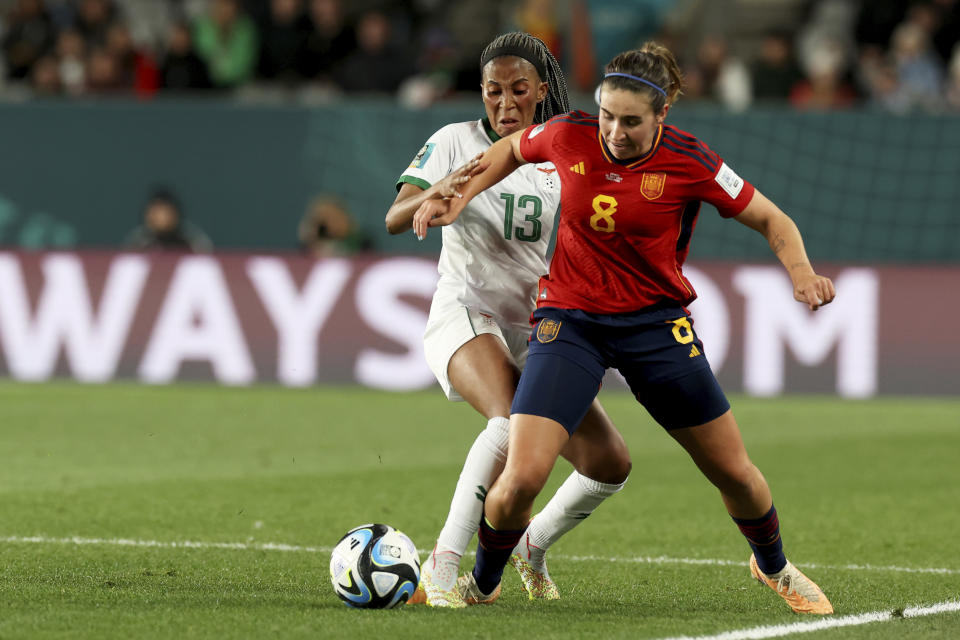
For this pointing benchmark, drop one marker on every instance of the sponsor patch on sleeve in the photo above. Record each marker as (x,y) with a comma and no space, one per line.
(535,132)
(422,156)
(729,181)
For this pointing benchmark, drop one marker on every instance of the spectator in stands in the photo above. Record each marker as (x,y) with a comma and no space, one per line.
(775,71)
(226,40)
(718,75)
(825,86)
(952,88)
(72,61)
(94,19)
(149,21)
(181,69)
(879,81)
(377,66)
(329,40)
(103,71)
(30,36)
(136,68)
(328,229)
(45,77)
(919,74)
(164,228)
(283,40)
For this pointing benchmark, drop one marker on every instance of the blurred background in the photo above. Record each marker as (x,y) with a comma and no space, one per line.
(236,128)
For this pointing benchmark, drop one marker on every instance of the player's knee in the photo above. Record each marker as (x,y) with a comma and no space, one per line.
(739,480)
(610,463)
(609,469)
(519,490)
(619,464)
(619,470)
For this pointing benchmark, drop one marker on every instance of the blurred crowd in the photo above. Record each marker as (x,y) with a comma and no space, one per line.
(896,55)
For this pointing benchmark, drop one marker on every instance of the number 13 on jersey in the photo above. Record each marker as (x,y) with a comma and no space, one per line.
(533,208)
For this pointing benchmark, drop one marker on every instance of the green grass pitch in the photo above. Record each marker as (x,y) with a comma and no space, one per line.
(102,487)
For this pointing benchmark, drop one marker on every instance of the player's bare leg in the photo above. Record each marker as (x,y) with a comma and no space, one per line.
(601,464)
(483,373)
(536,443)
(717,449)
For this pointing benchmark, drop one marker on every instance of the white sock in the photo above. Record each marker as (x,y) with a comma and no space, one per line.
(576,499)
(486,458)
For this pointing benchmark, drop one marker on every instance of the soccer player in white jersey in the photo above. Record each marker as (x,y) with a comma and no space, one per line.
(476,335)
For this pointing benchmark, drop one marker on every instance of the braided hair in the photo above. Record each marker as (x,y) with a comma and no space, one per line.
(533,50)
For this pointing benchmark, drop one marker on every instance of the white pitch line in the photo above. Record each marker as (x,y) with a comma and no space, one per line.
(159,544)
(755,633)
(778,631)
(276,546)
(738,563)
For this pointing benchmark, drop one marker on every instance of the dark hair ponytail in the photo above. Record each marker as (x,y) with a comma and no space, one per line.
(533,50)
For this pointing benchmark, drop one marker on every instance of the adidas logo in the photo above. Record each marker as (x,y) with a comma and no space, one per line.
(578,168)
(694,352)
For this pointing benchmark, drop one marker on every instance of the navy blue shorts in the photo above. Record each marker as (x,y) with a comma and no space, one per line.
(656,351)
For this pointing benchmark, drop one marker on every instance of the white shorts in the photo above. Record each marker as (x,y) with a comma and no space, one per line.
(451,325)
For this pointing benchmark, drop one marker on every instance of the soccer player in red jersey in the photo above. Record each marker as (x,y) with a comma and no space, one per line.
(616,297)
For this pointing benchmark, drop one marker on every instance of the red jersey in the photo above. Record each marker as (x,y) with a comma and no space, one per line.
(625,226)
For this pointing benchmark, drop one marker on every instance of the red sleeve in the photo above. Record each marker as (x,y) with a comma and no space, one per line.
(536,141)
(724,189)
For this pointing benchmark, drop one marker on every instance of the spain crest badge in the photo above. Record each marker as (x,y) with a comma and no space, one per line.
(547,330)
(651,185)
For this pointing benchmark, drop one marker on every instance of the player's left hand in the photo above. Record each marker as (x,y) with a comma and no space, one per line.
(449,187)
(436,213)
(814,290)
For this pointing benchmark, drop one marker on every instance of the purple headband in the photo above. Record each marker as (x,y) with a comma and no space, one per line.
(638,79)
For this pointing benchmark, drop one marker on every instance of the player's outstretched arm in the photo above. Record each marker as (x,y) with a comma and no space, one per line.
(410,197)
(500,160)
(784,238)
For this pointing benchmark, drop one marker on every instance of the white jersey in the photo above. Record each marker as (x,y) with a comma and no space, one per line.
(495,252)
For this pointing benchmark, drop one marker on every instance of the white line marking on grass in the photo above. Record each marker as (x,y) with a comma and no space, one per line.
(778,631)
(182,544)
(738,563)
(277,546)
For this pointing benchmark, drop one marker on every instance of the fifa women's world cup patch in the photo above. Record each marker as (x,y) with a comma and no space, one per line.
(651,185)
(729,181)
(422,156)
(547,330)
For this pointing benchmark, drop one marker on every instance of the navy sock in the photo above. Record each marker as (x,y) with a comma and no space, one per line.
(763,535)
(492,554)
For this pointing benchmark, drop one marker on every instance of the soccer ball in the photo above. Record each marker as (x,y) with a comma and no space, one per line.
(374,566)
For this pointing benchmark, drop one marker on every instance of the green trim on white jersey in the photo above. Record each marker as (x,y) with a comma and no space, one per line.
(495,252)
(417,182)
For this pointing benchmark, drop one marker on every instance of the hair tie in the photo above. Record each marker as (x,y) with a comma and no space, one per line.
(638,79)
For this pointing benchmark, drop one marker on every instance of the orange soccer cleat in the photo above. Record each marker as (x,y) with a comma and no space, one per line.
(800,592)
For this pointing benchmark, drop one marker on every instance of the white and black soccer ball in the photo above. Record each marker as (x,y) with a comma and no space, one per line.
(374,566)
